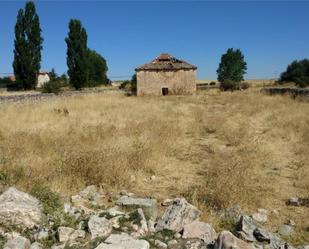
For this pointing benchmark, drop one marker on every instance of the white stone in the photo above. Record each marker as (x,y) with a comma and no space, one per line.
(17,242)
(66,207)
(160,244)
(151,226)
(99,226)
(126,193)
(260,217)
(36,245)
(123,241)
(69,234)
(226,240)
(134,227)
(200,230)
(143,221)
(89,193)
(149,206)
(177,235)
(19,209)
(43,234)
(177,215)
(115,222)
(167,202)
(172,242)
(193,245)
(58,246)
(113,211)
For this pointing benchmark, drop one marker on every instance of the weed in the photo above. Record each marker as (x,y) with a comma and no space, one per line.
(50,200)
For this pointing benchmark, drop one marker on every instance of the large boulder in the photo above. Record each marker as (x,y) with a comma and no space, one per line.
(246,227)
(69,234)
(149,206)
(226,240)
(99,226)
(177,215)
(17,242)
(19,209)
(200,230)
(36,245)
(123,241)
(270,240)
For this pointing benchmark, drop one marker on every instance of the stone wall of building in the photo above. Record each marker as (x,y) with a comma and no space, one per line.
(177,82)
(42,79)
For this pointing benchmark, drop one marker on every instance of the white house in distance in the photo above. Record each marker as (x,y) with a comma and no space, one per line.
(43,78)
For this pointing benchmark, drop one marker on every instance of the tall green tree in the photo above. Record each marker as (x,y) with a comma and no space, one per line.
(134,83)
(97,69)
(53,75)
(297,72)
(28,45)
(232,66)
(77,53)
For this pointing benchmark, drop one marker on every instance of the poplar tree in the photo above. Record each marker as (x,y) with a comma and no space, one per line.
(28,45)
(97,69)
(77,54)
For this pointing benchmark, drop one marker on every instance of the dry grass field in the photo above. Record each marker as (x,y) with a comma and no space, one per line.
(216,148)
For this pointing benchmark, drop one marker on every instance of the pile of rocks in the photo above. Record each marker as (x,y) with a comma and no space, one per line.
(126,222)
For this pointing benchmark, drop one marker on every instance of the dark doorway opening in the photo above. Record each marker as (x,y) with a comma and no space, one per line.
(164,91)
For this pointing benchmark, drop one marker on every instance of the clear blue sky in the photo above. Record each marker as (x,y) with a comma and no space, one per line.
(130,33)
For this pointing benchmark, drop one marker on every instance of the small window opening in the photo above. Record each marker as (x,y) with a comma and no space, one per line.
(164,91)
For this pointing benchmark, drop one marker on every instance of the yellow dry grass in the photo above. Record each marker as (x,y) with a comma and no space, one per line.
(215,148)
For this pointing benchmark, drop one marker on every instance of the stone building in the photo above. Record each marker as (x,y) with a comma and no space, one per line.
(43,78)
(166,75)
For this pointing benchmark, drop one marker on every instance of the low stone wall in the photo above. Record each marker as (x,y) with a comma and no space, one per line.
(294,92)
(43,96)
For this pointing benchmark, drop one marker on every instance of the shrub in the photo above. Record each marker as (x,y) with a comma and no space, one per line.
(2,241)
(51,201)
(51,87)
(125,85)
(212,83)
(129,85)
(244,85)
(229,85)
(297,72)
(134,83)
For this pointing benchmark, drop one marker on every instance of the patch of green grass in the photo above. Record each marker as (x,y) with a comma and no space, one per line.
(106,215)
(2,241)
(227,224)
(51,201)
(300,238)
(134,218)
(10,174)
(164,236)
(92,244)
(49,241)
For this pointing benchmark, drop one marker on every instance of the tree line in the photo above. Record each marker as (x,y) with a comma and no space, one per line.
(86,67)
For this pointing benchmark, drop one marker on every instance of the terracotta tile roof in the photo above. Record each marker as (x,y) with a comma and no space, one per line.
(12,78)
(166,62)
